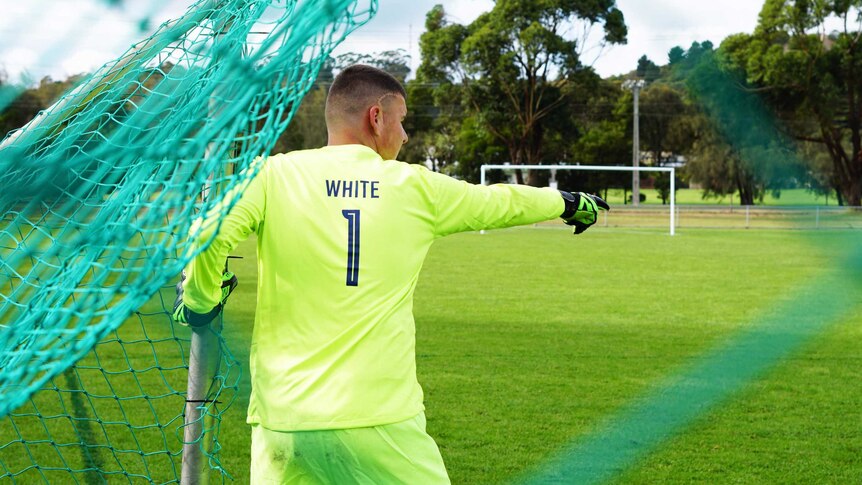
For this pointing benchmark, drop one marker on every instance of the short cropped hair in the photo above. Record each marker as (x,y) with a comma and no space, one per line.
(358,87)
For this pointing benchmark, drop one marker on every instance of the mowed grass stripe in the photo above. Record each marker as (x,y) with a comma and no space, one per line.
(797,423)
(650,421)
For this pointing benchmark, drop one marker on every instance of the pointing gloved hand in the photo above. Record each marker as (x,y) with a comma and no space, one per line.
(582,210)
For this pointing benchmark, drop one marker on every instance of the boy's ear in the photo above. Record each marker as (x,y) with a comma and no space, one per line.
(375,116)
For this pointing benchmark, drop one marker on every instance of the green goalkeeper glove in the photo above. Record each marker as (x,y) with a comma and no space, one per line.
(184,316)
(582,210)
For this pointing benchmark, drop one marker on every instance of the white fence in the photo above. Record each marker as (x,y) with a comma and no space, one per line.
(738,217)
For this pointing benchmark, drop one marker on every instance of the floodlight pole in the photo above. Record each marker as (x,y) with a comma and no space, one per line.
(635,86)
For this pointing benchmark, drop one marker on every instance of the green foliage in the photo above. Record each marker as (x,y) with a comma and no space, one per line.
(604,125)
(516,69)
(476,146)
(395,62)
(811,79)
(647,70)
(665,128)
(664,114)
(675,55)
(739,146)
(606,143)
(24,103)
(720,168)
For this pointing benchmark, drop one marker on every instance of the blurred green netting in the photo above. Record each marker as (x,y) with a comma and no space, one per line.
(99,195)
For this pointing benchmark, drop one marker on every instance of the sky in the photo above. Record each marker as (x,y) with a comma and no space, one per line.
(62,37)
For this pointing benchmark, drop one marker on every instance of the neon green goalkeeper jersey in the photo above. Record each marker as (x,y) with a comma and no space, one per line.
(341,237)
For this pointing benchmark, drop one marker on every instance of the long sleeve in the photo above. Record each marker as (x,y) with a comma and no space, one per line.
(202,287)
(462,206)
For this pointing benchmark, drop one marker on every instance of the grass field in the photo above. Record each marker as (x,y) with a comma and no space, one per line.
(710,357)
(530,339)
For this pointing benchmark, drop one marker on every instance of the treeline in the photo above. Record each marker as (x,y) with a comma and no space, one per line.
(22,104)
(775,109)
(779,108)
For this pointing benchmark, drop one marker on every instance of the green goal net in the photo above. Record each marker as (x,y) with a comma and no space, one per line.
(100,196)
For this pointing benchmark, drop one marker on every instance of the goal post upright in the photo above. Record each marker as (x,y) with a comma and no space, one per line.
(197,433)
(596,168)
(672,201)
(204,349)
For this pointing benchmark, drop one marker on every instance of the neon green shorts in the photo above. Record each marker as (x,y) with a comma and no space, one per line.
(395,453)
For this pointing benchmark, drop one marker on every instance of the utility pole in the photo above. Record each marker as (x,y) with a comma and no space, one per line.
(635,86)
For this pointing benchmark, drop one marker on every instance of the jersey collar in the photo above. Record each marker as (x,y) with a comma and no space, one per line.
(358,151)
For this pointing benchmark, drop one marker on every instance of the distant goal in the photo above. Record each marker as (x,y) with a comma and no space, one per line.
(596,168)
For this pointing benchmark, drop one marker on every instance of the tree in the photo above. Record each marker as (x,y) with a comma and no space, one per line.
(434,117)
(811,78)
(25,104)
(662,109)
(516,66)
(606,139)
(751,150)
(719,167)
(395,62)
(441,130)
(21,110)
(307,129)
(675,55)
(664,129)
(647,70)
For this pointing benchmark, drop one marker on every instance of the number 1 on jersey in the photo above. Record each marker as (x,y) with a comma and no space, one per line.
(352,216)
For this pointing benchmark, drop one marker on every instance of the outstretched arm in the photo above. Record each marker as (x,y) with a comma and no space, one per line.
(462,206)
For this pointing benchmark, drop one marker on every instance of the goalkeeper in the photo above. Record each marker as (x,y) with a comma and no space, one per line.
(342,232)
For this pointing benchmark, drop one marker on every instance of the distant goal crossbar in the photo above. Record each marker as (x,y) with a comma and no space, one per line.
(597,168)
